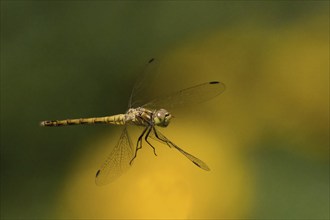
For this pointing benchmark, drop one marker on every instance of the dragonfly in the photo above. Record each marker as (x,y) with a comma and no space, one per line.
(149,115)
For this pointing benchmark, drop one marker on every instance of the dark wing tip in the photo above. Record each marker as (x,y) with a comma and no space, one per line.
(223,86)
(151,60)
(97,173)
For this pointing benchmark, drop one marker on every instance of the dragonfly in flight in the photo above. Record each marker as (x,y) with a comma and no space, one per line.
(148,114)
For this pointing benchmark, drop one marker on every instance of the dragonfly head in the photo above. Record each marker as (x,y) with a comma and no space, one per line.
(162,117)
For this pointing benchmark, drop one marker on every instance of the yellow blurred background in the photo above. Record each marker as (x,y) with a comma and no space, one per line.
(266,138)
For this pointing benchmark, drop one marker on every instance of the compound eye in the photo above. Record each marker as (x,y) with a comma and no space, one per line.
(160,115)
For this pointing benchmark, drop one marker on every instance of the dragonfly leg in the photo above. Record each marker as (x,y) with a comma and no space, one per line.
(146,139)
(138,144)
(161,139)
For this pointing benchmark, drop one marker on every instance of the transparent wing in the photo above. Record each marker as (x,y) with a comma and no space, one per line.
(146,91)
(156,135)
(192,95)
(117,162)
(140,93)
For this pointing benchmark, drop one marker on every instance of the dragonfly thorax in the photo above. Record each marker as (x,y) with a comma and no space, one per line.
(146,117)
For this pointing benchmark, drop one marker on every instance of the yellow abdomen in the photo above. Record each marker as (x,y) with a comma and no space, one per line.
(115,120)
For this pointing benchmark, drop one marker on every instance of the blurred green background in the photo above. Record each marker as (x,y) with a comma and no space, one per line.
(266,139)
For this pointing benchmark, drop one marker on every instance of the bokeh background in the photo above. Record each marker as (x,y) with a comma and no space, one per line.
(266,138)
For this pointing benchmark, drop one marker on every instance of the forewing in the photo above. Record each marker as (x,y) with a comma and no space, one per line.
(160,137)
(148,92)
(192,95)
(117,161)
(140,93)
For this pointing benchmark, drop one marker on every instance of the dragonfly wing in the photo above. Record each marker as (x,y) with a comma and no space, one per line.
(140,93)
(117,161)
(192,95)
(146,91)
(156,135)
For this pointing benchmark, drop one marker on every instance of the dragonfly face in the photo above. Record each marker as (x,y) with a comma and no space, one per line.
(162,118)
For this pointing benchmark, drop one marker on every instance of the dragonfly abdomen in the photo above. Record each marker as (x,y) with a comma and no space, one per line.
(115,120)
